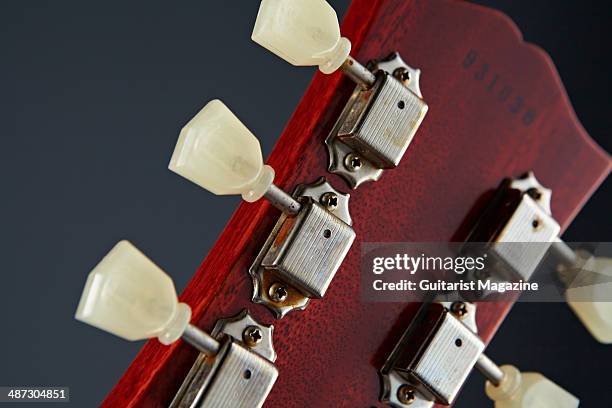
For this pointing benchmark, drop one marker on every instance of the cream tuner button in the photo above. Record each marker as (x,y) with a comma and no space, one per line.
(302,33)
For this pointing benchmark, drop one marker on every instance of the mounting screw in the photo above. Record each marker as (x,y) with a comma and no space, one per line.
(402,75)
(252,336)
(353,162)
(330,201)
(459,309)
(278,293)
(406,394)
(534,193)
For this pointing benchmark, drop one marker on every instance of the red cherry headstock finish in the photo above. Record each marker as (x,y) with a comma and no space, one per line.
(497,108)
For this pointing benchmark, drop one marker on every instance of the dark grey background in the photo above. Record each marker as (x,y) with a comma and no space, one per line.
(92,96)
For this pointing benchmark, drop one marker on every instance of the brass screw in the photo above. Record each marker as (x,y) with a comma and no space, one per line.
(330,201)
(402,74)
(353,162)
(278,293)
(406,395)
(252,336)
(534,193)
(459,309)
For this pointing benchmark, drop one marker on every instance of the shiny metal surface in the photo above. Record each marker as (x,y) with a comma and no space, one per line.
(469,318)
(489,370)
(394,65)
(201,340)
(239,375)
(358,73)
(235,327)
(303,253)
(448,359)
(242,380)
(531,230)
(563,253)
(434,356)
(531,226)
(382,122)
(309,249)
(282,200)
(377,124)
(529,184)
(319,190)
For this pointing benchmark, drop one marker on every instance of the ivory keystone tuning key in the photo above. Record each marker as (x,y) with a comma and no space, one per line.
(217,152)
(510,388)
(307,33)
(386,108)
(128,295)
(589,287)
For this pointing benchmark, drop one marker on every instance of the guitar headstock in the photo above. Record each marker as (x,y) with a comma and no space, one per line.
(440,102)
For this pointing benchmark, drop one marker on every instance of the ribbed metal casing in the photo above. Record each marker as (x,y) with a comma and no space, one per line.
(448,359)
(309,249)
(436,354)
(526,238)
(243,379)
(383,121)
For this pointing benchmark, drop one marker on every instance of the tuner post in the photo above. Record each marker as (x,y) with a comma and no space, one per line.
(281,200)
(358,73)
(565,255)
(201,340)
(491,371)
(510,388)
(525,390)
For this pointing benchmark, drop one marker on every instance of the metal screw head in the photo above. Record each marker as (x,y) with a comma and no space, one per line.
(534,193)
(252,336)
(278,293)
(402,75)
(406,394)
(330,201)
(353,162)
(459,309)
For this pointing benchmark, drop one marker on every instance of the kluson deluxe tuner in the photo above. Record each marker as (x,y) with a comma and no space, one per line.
(311,238)
(126,294)
(384,112)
